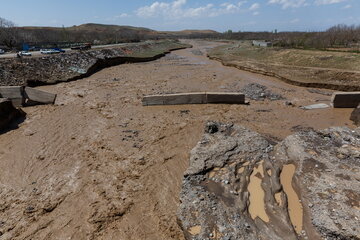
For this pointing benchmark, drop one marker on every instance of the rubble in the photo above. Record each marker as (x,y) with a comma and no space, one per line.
(259,92)
(216,198)
(74,65)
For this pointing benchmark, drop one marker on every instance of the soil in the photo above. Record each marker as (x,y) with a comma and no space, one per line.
(338,71)
(99,165)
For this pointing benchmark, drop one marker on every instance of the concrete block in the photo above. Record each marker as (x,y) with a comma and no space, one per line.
(194,98)
(14,93)
(35,96)
(227,98)
(345,99)
(174,99)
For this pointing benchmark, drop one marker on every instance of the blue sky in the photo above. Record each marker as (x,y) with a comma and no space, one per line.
(220,15)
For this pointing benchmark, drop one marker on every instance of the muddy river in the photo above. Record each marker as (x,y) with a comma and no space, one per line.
(99,165)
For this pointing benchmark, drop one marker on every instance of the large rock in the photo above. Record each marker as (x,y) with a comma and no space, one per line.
(355,116)
(8,113)
(240,186)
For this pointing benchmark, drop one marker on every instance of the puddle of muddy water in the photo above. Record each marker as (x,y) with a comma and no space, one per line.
(294,206)
(257,194)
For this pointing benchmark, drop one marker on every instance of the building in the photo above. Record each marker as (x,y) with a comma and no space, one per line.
(261,43)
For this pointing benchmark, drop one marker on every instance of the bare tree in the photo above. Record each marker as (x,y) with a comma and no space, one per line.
(9,35)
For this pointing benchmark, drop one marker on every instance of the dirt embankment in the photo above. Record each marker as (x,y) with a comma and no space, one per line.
(75,65)
(305,68)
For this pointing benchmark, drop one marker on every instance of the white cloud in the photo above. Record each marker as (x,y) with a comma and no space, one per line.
(256,13)
(327,2)
(347,6)
(289,3)
(296,20)
(123,15)
(254,6)
(178,10)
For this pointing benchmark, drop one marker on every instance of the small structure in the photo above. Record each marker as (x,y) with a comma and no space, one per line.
(258,43)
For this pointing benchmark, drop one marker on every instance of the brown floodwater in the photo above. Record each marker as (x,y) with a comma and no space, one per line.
(294,206)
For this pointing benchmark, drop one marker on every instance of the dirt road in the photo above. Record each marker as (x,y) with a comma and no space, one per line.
(99,165)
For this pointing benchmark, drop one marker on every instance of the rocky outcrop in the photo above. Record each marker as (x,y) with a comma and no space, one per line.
(74,65)
(239,185)
(355,116)
(8,113)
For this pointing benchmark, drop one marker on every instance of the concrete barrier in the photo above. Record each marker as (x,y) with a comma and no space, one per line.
(34,96)
(194,98)
(345,99)
(14,93)
(26,96)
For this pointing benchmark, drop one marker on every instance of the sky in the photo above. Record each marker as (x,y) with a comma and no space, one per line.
(219,15)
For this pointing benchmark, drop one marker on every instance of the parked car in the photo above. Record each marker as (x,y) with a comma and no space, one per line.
(49,51)
(59,50)
(2,51)
(24,53)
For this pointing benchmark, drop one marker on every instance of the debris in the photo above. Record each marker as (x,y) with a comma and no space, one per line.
(315,106)
(259,92)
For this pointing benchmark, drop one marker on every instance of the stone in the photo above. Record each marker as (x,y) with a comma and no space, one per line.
(355,116)
(326,185)
(8,113)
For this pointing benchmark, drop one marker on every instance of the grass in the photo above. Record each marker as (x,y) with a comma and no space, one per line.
(315,68)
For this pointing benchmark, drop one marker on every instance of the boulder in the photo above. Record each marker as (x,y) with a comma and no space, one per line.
(8,113)
(355,116)
(239,185)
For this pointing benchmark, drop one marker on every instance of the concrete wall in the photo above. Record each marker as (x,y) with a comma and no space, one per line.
(345,99)
(194,98)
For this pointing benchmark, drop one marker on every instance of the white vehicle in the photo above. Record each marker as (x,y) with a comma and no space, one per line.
(2,51)
(24,53)
(49,51)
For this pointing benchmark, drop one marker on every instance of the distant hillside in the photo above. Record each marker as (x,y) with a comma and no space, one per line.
(101,34)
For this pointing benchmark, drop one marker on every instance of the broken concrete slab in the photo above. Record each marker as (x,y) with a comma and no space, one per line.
(194,98)
(355,116)
(315,106)
(14,93)
(229,98)
(345,99)
(175,99)
(34,96)
(8,113)
(26,96)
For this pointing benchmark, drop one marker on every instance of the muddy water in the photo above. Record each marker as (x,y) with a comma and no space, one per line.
(294,206)
(257,194)
(139,174)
